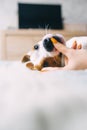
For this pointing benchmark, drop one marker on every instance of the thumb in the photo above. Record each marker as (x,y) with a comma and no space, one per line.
(61,48)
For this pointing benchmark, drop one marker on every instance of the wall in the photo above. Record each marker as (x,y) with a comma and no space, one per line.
(74,11)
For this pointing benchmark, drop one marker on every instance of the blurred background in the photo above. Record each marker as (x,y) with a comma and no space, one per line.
(24,22)
(73,11)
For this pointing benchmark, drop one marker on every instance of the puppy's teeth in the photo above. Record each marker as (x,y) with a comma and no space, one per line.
(54,40)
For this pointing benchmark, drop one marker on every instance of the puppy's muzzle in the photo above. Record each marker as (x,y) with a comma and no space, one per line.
(48,45)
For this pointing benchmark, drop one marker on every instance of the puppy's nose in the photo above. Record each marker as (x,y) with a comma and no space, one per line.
(48,45)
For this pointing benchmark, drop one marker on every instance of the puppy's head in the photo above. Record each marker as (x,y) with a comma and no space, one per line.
(44,54)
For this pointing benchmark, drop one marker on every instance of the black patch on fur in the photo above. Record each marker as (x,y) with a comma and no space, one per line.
(48,45)
(58,39)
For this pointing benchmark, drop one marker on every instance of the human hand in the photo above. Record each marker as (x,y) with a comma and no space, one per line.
(76,59)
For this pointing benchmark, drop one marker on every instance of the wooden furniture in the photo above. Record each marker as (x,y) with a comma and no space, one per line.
(15,43)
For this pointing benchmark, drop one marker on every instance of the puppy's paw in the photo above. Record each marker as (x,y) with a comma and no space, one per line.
(26,58)
(30,65)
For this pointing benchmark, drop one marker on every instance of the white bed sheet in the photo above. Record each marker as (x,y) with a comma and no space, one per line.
(32,100)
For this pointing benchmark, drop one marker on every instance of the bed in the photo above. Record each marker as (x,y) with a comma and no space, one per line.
(32,100)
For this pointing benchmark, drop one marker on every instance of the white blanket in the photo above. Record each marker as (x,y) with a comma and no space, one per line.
(32,100)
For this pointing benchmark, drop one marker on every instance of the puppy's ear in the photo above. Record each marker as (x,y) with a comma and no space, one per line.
(30,65)
(25,58)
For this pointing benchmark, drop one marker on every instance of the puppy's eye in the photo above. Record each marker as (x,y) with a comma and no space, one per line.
(36,47)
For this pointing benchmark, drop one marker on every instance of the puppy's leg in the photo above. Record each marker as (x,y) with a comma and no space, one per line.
(30,65)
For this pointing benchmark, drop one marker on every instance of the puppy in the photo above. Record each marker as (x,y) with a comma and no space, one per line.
(44,53)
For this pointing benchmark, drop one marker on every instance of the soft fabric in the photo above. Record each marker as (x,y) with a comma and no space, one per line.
(32,100)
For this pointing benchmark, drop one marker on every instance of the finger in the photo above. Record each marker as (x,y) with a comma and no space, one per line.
(61,48)
(66,60)
(66,68)
(47,69)
(50,69)
(79,46)
(74,45)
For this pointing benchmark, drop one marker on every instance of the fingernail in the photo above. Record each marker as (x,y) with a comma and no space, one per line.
(79,46)
(54,40)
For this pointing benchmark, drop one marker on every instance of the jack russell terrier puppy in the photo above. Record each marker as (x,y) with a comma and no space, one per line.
(44,54)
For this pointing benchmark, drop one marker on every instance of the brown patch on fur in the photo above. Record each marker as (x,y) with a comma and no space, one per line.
(26,58)
(46,62)
(38,67)
(30,65)
(50,62)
